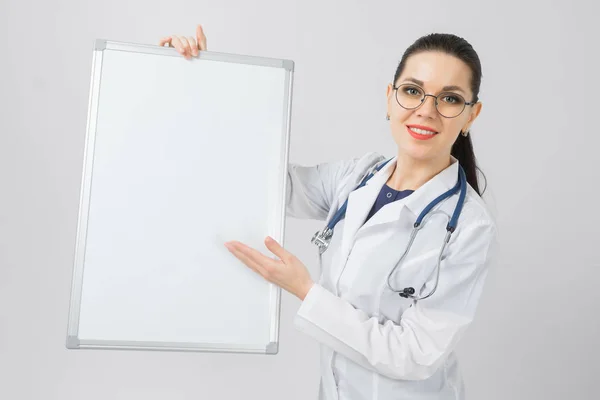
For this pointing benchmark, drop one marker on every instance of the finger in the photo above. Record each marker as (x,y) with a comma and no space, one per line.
(193,45)
(277,249)
(186,47)
(254,254)
(165,40)
(201,38)
(240,255)
(176,42)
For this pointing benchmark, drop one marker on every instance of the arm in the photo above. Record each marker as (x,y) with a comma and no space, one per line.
(414,347)
(311,190)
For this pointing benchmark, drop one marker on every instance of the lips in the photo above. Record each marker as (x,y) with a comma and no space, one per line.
(421,132)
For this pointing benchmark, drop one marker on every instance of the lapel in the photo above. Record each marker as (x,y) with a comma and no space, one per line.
(360,202)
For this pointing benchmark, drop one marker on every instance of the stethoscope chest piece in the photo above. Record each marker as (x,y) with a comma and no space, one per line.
(322,239)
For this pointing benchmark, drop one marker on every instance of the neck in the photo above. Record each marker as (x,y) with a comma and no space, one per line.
(411,174)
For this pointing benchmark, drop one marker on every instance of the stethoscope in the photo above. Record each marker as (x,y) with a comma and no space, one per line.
(323,238)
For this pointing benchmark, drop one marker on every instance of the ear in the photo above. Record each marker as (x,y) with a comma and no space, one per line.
(473,116)
(389,94)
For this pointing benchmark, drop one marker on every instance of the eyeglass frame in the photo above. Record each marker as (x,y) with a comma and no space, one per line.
(466,103)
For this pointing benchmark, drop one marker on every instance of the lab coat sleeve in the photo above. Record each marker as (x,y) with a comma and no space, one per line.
(311,189)
(414,347)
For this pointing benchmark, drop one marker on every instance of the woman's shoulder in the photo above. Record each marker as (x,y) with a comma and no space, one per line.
(476,212)
(352,170)
(360,163)
(477,237)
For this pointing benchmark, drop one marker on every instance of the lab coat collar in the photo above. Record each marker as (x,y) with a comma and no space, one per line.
(420,198)
(360,201)
(442,182)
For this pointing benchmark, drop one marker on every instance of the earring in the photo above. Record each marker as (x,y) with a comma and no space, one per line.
(465,134)
(387,117)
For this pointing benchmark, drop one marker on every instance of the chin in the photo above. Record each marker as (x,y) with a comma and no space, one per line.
(419,150)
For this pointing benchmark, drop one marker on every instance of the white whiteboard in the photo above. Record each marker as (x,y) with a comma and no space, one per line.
(180,157)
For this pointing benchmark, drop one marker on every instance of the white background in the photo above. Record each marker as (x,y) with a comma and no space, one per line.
(535,336)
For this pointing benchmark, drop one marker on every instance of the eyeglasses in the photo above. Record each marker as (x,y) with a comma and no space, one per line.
(448,104)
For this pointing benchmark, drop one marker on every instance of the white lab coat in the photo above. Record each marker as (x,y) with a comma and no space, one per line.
(375,344)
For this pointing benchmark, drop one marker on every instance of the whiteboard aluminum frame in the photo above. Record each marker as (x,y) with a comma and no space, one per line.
(73,341)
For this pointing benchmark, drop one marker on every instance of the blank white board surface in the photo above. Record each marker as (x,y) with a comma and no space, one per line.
(180,157)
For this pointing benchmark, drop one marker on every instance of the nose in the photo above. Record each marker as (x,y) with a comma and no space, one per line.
(428,109)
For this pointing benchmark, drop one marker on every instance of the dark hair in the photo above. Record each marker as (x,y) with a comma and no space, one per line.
(458,47)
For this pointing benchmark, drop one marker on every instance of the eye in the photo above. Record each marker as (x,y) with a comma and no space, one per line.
(451,99)
(412,91)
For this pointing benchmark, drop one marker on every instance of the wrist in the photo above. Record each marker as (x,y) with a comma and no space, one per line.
(304,292)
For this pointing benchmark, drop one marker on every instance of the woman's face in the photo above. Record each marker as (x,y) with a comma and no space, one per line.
(432,73)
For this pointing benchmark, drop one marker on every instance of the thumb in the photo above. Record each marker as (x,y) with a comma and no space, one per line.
(201,38)
(276,248)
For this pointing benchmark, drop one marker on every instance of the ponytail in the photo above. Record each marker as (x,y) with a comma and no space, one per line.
(462,150)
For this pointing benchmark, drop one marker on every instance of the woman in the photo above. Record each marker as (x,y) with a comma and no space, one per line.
(378,340)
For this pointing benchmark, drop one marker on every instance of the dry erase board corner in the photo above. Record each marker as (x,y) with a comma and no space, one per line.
(72,342)
(288,65)
(272,348)
(100,44)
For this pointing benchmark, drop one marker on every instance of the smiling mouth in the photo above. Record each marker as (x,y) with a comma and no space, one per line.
(421,133)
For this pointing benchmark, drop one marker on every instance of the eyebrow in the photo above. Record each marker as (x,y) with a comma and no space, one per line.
(444,89)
